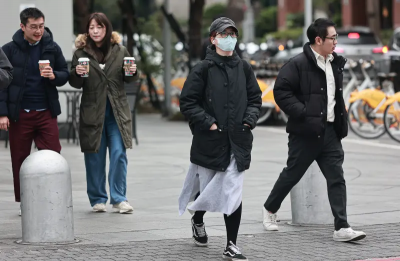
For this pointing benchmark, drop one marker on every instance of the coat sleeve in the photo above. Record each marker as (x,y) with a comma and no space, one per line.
(6,70)
(286,85)
(60,69)
(75,80)
(133,78)
(4,91)
(253,98)
(191,98)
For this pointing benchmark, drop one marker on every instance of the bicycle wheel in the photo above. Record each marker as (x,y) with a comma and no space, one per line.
(362,123)
(264,114)
(391,119)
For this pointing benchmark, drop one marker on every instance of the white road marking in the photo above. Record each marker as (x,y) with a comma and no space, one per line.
(345,140)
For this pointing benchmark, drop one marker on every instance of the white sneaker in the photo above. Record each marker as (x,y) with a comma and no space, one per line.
(123,207)
(100,207)
(269,221)
(348,234)
(19,212)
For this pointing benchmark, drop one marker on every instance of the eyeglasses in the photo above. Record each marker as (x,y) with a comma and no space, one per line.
(334,38)
(225,34)
(35,28)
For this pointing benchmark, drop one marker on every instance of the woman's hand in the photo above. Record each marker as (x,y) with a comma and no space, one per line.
(213,127)
(133,68)
(80,69)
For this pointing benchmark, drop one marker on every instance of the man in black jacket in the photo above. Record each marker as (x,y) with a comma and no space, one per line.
(6,70)
(30,106)
(309,90)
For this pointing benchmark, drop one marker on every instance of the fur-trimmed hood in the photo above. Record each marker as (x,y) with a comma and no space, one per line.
(80,41)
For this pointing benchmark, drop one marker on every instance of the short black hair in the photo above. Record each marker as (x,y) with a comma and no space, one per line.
(31,12)
(319,28)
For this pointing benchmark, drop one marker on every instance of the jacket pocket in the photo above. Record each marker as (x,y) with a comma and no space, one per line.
(243,137)
(88,109)
(88,115)
(210,143)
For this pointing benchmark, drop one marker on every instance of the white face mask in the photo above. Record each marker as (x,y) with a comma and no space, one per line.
(227,44)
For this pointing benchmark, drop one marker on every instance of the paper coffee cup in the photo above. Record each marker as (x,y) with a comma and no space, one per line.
(42,65)
(128,61)
(85,63)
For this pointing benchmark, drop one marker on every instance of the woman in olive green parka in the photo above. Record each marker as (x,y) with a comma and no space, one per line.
(105,117)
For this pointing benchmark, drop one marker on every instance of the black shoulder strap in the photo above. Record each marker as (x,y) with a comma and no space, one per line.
(246,68)
(205,65)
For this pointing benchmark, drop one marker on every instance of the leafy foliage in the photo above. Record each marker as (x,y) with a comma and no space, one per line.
(266,22)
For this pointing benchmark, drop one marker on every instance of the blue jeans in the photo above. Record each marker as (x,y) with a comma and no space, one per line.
(96,164)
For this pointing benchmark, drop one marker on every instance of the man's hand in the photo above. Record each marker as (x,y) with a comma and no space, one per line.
(48,73)
(247,125)
(213,127)
(4,123)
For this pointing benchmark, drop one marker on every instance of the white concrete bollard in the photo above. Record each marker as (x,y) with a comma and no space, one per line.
(309,199)
(46,199)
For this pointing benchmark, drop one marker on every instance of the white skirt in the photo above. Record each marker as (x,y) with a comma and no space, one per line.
(219,191)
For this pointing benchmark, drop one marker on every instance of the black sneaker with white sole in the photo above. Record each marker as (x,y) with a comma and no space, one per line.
(233,253)
(199,234)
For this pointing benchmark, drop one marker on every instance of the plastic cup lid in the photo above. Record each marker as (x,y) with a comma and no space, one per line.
(44,61)
(129,58)
(84,59)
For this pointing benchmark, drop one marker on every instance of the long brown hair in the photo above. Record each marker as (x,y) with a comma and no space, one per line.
(102,51)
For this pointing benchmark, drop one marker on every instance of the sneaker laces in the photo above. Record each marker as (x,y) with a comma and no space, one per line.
(349,230)
(234,248)
(272,217)
(201,230)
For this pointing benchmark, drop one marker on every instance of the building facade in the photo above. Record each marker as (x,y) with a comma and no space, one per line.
(376,14)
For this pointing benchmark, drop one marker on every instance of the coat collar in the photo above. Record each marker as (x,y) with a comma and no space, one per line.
(340,61)
(46,41)
(212,55)
(80,43)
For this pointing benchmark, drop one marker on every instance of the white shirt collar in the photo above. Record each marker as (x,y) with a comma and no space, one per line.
(318,56)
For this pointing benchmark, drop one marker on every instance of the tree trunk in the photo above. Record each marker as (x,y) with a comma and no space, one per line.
(130,25)
(129,21)
(373,16)
(82,11)
(235,11)
(195,25)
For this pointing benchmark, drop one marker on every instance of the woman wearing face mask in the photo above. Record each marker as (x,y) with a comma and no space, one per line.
(105,117)
(221,99)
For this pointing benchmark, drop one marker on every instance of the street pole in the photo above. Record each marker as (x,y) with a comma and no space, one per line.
(248,23)
(167,62)
(307,18)
(309,198)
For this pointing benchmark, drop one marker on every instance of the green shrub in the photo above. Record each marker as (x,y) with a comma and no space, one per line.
(266,21)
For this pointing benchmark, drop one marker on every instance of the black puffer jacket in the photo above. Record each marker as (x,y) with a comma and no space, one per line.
(227,99)
(17,52)
(301,92)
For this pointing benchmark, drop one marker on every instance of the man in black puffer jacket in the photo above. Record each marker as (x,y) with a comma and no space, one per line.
(309,90)
(30,106)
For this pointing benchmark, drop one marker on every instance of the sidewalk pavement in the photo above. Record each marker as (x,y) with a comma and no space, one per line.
(155,231)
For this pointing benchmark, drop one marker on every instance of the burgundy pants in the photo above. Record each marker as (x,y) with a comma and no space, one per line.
(36,126)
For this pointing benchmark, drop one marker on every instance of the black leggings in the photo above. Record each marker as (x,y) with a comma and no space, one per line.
(232,223)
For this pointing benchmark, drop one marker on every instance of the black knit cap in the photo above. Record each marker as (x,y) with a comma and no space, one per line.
(220,24)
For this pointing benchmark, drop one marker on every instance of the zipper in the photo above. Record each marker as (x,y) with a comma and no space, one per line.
(18,107)
(228,93)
